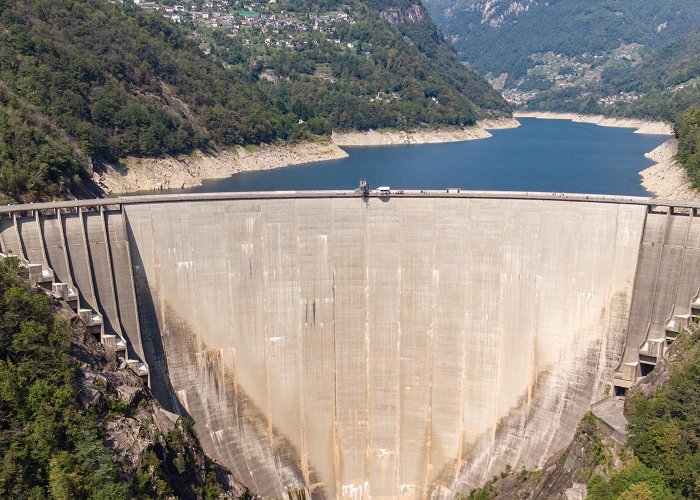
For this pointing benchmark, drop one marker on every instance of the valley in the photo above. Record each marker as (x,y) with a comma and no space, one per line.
(509,317)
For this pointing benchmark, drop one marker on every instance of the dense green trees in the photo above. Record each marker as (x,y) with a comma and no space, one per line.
(35,156)
(665,429)
(89,80)
(123,82)
(664,433)
(53,424)
(688,132)
(397,76)
(49,447)
(635,481)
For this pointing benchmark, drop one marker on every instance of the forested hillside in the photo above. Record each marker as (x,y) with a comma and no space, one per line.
(661,86)
(91,81)
(501,36)
(385,66)
(75,425)
(622,57)
(688,132)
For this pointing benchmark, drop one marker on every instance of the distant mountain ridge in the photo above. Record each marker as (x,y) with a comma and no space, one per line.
(660,85)
(494,35)
(597,56)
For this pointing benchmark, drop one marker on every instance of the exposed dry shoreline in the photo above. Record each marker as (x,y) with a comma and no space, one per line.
(145,174)
(666,179)
(421,136)
(642,126)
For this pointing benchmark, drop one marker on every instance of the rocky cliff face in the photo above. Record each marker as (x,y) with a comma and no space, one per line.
(495,12)
(159,452)
(592,451)
(492,13)
(413,14)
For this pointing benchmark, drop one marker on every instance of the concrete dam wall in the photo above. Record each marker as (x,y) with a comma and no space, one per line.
(406,346)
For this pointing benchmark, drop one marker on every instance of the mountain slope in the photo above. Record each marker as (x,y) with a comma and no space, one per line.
(87,81)
(619,57)
(500,36)
(356,64)
(661,86)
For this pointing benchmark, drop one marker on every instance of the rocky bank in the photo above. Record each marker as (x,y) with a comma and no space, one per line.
(421,136)
(145,174)
(642,126)
(667,179)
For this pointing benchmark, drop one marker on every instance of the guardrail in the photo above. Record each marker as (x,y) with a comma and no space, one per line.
(263,195)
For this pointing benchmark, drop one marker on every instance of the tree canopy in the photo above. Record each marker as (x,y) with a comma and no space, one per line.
(93,81)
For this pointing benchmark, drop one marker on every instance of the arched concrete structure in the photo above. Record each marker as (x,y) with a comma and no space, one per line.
(404,346)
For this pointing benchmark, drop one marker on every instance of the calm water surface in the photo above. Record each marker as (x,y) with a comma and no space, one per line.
(541,155)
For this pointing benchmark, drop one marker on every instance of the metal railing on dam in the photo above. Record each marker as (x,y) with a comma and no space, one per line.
(406,345)
(261,195)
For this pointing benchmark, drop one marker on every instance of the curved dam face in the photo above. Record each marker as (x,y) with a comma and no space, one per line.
(389,347)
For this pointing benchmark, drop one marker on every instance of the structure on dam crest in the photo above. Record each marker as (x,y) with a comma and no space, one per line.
(388,346)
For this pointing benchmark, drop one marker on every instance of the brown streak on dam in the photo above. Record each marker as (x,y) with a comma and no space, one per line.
(409,346)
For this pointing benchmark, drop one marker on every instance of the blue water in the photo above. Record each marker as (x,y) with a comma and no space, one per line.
(541,155)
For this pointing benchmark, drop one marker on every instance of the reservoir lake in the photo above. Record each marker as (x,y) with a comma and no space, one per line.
(540,155)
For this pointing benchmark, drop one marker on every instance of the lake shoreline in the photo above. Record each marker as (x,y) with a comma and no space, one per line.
(666,178)
(438,135)
(186,171)
(177,172)
(641,126)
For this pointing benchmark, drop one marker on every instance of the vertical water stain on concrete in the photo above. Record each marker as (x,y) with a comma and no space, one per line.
(228,422)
